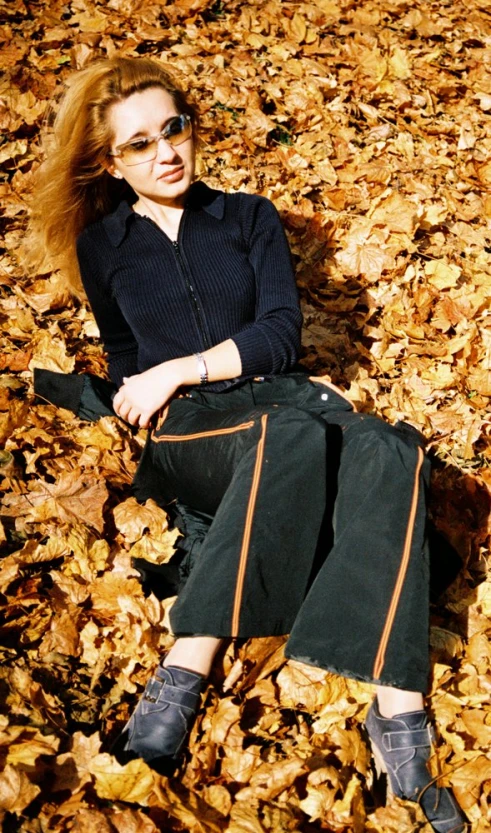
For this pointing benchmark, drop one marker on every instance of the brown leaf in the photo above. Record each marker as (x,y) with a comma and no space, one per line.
(50,354)
(132,519)
(132,821)
(16,791)
(62,637)
(468,778)
(269,780)
(300,685)
(47,294)
(88,821)
(74,497)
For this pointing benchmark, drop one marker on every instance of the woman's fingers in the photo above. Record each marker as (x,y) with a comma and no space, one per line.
(140,397)
(133,416)
(125,409)
(118,400)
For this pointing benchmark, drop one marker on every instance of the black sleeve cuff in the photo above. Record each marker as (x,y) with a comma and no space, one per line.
(88,396)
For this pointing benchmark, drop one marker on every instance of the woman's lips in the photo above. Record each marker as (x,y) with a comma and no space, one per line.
(174,175)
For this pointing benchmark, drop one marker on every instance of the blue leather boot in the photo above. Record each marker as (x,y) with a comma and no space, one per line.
(158,728)
(402,747)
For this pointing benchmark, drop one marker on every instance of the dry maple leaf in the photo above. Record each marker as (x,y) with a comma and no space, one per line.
(269,780)
(50,353)
(300,685)
(364,252)
(62,636)
(133,518)
(133,782)
(75,497)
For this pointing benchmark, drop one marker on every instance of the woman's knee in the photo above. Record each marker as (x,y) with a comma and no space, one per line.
(395,448)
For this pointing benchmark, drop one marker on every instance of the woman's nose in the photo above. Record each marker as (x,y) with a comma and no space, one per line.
(165,151)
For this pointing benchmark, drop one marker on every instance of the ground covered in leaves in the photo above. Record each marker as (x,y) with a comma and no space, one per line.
(368,125)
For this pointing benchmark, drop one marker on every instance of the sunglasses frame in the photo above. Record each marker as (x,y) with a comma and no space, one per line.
(120,149)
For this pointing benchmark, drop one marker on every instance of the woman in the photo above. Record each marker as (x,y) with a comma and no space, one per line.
(195,299)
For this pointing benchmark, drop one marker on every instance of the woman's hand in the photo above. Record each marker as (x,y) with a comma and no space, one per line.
(142,395)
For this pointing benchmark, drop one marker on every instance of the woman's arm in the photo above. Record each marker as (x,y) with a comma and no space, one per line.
(143,394)
(271,343)
(119,342)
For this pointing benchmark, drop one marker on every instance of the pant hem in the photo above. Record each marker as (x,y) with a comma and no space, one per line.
(361,678)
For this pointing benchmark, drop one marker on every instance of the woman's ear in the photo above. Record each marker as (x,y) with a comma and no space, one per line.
(111,169)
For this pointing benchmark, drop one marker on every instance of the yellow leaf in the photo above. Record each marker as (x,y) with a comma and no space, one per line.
(468,778)
(318,801)
(27,751)
(480,381)
(256,41)
(11,150)
(217,796)
(467,137)
(132,782)
(298,28)
(47,294)
(442,275)
(109,591)
(90,21)
(399,63)
(244,818)
(397,213)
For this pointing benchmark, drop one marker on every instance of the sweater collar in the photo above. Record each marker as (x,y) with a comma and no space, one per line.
(201,197)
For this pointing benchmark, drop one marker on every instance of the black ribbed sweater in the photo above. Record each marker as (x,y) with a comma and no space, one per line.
(228,276)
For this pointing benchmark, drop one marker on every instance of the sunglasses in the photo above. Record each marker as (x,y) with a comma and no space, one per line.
(175,132)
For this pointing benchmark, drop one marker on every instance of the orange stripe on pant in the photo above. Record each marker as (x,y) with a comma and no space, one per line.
(178,438)
(380,658)
(244,552)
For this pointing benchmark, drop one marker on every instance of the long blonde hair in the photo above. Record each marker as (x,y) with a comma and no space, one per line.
(72,186)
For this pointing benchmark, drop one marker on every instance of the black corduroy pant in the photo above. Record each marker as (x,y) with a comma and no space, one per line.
(317,524)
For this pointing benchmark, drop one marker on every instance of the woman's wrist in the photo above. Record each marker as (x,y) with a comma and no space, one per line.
(212,365)
(185,371)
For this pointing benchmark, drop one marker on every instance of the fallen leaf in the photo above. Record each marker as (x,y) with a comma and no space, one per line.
(16,791)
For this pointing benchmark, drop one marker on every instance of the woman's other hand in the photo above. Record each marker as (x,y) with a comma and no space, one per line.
(142,395)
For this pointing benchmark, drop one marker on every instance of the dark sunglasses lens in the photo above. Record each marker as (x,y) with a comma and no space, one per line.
(177,130)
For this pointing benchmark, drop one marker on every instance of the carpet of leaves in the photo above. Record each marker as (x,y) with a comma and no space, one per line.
(368,124)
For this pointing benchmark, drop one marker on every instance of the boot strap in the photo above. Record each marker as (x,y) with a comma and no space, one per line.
(159,691)
(409,739)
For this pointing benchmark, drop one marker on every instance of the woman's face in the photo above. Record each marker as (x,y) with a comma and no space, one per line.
(165,179)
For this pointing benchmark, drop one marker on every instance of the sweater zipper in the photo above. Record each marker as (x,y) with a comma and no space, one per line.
(194,300)
(183,272)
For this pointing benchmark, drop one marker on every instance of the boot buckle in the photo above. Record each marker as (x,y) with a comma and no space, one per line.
(153,690)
